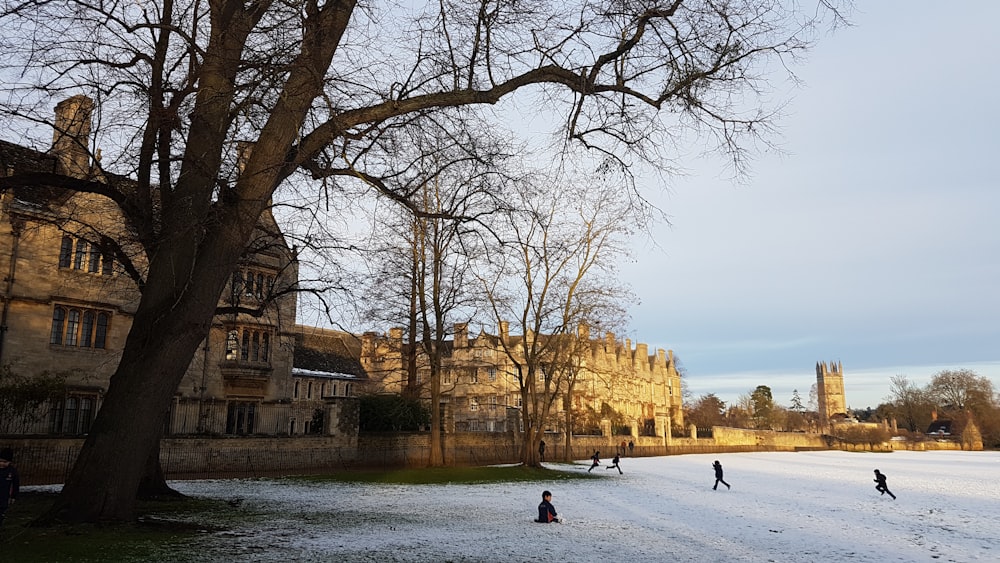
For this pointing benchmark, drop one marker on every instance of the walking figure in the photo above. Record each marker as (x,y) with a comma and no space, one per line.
(541,450)
(614,464)
(880,485)
(718,475)
(595,459)
(631,446)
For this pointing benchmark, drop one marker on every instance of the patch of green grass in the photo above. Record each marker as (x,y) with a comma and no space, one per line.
(453,475)
(161,527)
(203,529)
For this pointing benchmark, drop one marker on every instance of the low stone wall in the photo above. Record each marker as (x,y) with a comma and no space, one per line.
(44,461)
(412,449)
(928,446)
(185,458)
(767,439)
(49,460)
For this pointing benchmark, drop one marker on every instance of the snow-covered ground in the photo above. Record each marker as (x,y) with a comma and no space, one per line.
(783,507)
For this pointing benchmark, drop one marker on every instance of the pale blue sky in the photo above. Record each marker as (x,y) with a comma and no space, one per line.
(873,241)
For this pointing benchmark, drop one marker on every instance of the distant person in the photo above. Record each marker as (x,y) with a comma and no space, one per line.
(614,464)
(541,450)
(880,485)
(623,447)
(10,483)
(631,446)
(718,475)
(547,512)
(595,460)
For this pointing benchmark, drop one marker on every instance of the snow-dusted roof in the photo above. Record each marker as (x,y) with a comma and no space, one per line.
(302,372)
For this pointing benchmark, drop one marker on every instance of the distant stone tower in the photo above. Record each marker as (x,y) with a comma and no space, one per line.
(830,390)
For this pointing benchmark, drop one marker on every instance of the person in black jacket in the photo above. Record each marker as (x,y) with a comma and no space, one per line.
(9,481)
(547,512)
(614,464)
(595,460)
(880,485)
(718,475)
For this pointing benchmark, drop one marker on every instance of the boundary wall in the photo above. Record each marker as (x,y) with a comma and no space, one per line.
(45,460)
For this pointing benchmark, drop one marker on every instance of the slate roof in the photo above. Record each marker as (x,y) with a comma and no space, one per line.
(330,351)
(939,427)
(18,159)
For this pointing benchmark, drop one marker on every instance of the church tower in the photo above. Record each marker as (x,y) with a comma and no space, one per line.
(830,390)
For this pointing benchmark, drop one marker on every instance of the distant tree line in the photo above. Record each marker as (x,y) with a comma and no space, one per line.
(959,396)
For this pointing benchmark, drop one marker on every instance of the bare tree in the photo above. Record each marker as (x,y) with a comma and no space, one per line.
(316,86)
(909,403)
(708,410)
(964,395)
(427,250)
(550,274)
(960,389)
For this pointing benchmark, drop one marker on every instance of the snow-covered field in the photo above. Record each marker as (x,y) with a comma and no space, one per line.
(783,507)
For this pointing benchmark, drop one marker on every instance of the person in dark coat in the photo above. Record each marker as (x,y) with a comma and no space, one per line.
(718,475)
(541,450)
(9,481)
(614,464)
(631,446)
(547,512)
(880,485)
(595,459)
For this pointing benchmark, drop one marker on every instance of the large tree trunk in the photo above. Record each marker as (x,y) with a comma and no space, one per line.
(173,317)
(437,440)
(153,484)
(156,356)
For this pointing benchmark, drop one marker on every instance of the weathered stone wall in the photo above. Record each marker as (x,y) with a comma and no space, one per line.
(723,436)
(49,460)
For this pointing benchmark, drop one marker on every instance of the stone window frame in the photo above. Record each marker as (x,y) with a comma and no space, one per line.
(249,344)
(84,256)
(79,327)
(73,414)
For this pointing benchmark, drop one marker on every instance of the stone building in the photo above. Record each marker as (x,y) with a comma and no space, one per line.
(830,391)
(326,379)
(481,393)
(68,302)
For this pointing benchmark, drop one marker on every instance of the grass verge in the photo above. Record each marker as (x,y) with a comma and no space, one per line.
(451,475)
(166,528)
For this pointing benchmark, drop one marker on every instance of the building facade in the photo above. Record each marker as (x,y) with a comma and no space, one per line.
(68,303)
(637,392)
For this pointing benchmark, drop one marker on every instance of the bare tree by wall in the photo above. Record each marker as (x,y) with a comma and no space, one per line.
(314,86)
(910,403)
(425,248)
(963,396)
(550,273)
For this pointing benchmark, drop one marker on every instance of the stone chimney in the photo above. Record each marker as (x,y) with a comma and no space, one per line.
(583,331)
(71,138)
(642,351)
(368,345)
(396,336)
(461,335)
(504,330)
